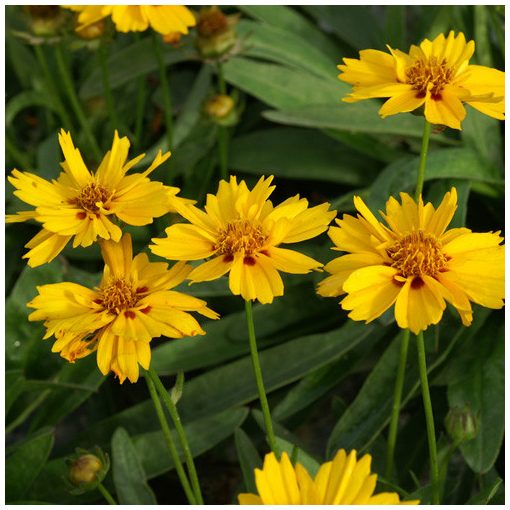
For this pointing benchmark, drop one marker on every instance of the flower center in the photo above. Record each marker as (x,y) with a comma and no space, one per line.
(417,254)
(240,236)
(431,73)
(90,195)
(118,295)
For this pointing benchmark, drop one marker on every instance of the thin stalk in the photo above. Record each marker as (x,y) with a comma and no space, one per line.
(67,81)
(397,399)
(223,151)
(140,109)
(423,158)
(104,491)
(172,409)
(258,378)
(170,442)
(110,104)
(429,418)
(27,411)
(222,87)
(52,88)
(165,90)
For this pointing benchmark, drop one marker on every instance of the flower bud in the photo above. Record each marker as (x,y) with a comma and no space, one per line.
(45,20)
(216,34)
(221,110)
(91,32)
(461,424)
(172,38)
(84,469)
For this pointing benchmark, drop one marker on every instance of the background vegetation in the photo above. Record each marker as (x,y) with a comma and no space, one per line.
(330,379)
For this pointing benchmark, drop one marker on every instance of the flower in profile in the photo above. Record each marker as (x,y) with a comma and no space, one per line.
(342,481)
(435,75)
(137,18)
(133,304)
(83,204)
(241,230)
(414,263)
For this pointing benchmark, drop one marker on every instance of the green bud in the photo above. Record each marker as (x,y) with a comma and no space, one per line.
(461,424)
(86,469)
(221,110)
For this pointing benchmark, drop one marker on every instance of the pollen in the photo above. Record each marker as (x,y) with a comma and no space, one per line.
(118,295)
(417,254)
(90,196)
(432,74)
(240,236)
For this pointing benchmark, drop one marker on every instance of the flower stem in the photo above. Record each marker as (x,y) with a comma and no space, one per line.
(429,418)
(52,88)
(104,491)
(103,61)
(222,87)
(165,90)
(258,377)
(169,442)
(397,398)
(172,409)
(140,107)
(75,102)
(222,130)
(423,158)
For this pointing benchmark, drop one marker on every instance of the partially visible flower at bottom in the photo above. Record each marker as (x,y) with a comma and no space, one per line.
(343,481)
(132,305)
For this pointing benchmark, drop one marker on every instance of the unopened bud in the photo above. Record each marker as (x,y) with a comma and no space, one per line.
(461,424)
(216,34)
(84,469)
(91,32)
(221,110)
(172,38)
(45,20)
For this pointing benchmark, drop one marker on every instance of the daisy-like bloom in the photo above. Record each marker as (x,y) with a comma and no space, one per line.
(241,230)
(137,18)
(133,304)
(83,204)
(342,481)
(414,263)
(436,75)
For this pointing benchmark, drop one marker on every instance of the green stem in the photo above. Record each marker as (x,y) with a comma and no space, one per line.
(104,491)
(169,442)
(258,378)
(165,90)
(429,418)
(172,409)
(222,87)
(140,108)
(75,102)
(103,61)
(223,151)
(423,159)
(397,399)
(27,411)
(52,88)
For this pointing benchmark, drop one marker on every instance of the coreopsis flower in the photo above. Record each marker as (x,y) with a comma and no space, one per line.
(133,304)
(242,231)
(414,263)
(137,18)
(82,204)
(435,75)
(342,481)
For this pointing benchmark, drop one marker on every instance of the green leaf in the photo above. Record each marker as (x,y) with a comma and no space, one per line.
(332,113)
(23,466)
(289,19)
(485,496)
(482,385)
(303,458)
(129,63)
(128,474)
(300,154)
(249,459)
(284,47)
(26,99)
(22,335)
(14,386)
(369,413)
(233,384)
(441,164)
(287,88)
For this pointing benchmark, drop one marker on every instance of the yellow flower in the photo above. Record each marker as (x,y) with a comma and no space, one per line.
(242,230)
(436,75)
(342,481)
(137,18)
(414,263)
(82,204)
(132,305)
